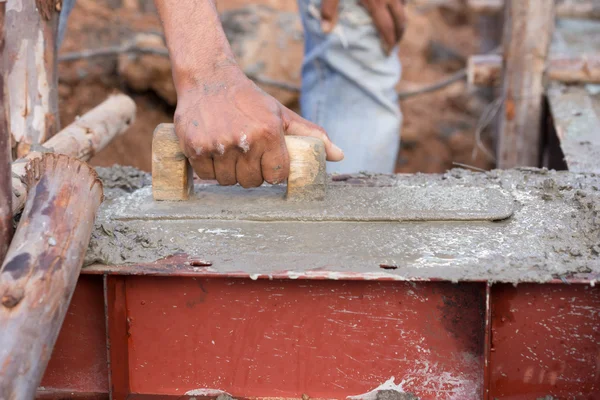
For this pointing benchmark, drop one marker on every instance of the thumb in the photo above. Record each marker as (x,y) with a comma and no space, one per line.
(329,12)
(293,124)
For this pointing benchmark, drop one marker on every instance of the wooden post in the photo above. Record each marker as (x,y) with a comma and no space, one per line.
(31,79)
(5,158)
(40,272)
(82,139)
(528,28)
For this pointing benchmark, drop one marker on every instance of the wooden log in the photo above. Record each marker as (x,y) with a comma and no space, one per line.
(82,139)
(486,70)
(40,272)
(577,9)
(528,28)
(5,159)
(172,173)
(32,78)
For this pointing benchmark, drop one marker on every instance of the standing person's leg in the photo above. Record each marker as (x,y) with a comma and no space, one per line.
(348,88)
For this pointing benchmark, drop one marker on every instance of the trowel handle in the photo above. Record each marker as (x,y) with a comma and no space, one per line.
(172,175)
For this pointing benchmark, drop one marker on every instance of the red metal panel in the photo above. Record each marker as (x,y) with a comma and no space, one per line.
(546,341)
(55,394)
(117,322)
(487,345)
(78,362)
(325,339)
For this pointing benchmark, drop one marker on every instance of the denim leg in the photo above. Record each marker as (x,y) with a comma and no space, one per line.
(348,88)
(67,7)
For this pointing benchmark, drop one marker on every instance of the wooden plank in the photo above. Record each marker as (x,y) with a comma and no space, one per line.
(41,268)
(579,9)
(486,69)
(6,229)
(32,78)
(528,29)
(576,115)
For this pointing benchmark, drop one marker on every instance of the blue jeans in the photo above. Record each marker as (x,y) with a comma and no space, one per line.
(348,86)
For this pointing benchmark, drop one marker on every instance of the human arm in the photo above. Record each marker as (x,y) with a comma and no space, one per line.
(229,129)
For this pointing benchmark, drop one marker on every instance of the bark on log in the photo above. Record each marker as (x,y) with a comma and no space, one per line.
(32,79)
(486,70)
(41,269)
(578,9)
(5,158)
(82,139)
(528,28)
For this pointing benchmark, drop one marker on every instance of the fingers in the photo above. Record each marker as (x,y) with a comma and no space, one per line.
(383,22)
(399,17)
(248,168)
(296,125)
(201,162)
(275,163)
(329,13)
(203,167)
(225,167)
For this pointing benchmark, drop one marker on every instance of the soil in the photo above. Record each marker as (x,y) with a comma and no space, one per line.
(438,128)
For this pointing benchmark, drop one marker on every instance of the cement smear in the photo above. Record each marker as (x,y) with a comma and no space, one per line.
(401,202)
(553,232)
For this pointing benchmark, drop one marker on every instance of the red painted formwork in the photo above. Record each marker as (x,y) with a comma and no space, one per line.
(545,342)
(78,366)
(325,339)
(168,336)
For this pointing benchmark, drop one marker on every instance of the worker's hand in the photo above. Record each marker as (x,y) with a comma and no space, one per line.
(388,17)
(232,131)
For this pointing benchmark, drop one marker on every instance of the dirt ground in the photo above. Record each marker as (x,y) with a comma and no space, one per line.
(438,128)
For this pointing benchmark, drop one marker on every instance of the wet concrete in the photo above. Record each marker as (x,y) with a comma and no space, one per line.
(553,232)
(400,202)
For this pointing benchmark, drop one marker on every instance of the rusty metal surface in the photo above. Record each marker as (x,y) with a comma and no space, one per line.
(285,338)
(78,362)
(184,266)
(54,394)
(545,342)
(117,326)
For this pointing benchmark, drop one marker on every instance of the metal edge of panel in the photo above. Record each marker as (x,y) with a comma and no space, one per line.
(181,266)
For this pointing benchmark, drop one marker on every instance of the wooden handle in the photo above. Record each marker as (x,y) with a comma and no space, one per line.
(172,177)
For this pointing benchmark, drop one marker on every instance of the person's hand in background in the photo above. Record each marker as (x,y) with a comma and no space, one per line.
(388,17)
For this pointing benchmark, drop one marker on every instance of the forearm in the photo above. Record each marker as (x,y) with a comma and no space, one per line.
(197,44)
